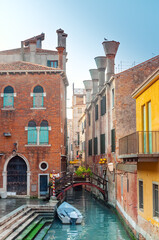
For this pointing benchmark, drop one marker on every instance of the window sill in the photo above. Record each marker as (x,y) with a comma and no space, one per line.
(41,145)
(40,108)
(8,109)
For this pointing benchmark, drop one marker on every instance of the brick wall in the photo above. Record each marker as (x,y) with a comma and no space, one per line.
(15,121)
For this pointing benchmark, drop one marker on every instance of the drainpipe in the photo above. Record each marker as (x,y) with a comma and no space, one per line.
(110,48)
(101,65)
(94,76)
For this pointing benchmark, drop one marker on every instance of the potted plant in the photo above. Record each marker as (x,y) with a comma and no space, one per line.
(82,172)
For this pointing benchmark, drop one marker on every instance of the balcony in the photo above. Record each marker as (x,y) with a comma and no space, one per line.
(141,144)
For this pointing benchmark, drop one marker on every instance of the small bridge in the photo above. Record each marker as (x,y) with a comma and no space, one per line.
(70,180)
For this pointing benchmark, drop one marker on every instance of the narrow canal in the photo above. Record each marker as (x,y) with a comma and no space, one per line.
(99,222)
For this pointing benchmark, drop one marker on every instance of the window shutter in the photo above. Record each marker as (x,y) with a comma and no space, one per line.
(102,143)
(96,112)
(32,135)
(90,147)
(113,140)
(8,100)
(95,146)
(44,135)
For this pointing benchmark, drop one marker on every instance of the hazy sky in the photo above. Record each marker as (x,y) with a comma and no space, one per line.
(134,23)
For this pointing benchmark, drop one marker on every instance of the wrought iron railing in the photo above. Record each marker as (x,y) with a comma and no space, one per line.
(141,142)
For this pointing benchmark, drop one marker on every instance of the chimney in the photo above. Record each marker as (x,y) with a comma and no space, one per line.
(32,45)
(60,54)
(101,65)
(110,48)
(88,87)
(94,76)
(64,36)
(59,37)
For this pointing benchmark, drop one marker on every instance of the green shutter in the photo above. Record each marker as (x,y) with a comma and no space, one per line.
(32,135)
(113,140)
(95,146)
(149,127)
(44,135)
(8,100)
(102,143)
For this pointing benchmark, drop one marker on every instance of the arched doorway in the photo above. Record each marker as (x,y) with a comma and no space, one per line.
(17,176)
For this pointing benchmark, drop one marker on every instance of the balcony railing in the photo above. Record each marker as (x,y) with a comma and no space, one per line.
(142,142)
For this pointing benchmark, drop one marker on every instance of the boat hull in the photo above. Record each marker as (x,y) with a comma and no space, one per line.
(63,212)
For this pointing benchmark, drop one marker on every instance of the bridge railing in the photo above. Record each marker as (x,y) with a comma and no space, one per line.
(70,179)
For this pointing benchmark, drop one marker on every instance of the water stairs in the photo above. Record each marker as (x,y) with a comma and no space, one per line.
(26,222)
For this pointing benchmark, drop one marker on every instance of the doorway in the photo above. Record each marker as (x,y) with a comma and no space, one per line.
(43,184)
(17,176)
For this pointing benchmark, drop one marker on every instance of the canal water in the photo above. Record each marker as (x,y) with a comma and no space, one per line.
(99,221)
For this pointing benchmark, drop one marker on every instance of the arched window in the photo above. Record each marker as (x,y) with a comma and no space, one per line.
(44,132)
(38,94)
(8,100)
(32,133)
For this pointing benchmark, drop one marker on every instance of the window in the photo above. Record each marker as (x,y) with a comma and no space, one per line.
(113,140)
(121,186)
(85,123)
(32,133)
(90,147)
(52,63)
(127,185)
(155,201)
(43,166)
(141,205)
(103,105)
(44,133)
(8,100)
(38,135)
(102,143)
(96,112)
(89,119)
(95,146)
(78,138)
(112,97)
(38,95)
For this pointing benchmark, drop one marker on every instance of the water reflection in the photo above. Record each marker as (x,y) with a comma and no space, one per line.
(99,222)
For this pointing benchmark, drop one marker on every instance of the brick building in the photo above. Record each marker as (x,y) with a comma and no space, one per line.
(33,124)
(110,115)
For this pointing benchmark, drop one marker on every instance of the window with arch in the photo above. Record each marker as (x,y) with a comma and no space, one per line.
(38,135)
(38,97)
(8,97)
(32,133)
(44,133)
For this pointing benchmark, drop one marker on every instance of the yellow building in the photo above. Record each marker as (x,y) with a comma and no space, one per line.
(147,141)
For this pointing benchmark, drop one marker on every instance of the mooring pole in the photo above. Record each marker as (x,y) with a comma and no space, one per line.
(53,184)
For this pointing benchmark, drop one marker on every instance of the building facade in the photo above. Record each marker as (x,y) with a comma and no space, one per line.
(147,119)
(32,123)
(78,107)
(31,51)
(33,116)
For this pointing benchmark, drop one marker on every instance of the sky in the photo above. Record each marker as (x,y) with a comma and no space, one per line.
(134,23)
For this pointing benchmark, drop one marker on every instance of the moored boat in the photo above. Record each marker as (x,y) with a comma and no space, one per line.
(69,214)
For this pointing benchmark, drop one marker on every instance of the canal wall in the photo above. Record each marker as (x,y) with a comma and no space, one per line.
(135,231)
